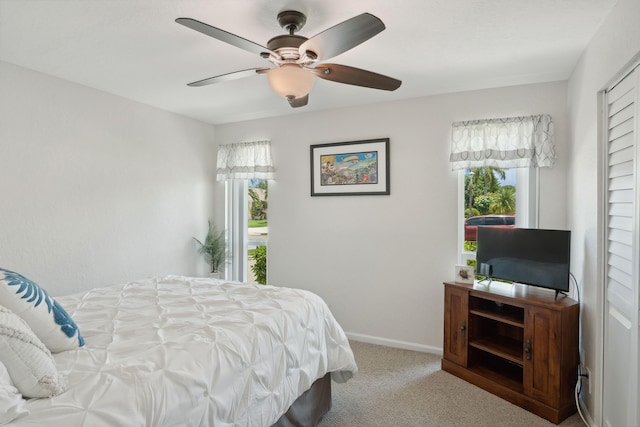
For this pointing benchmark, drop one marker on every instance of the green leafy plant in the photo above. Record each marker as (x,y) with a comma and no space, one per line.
(213,248)
(260,267)
(470,246)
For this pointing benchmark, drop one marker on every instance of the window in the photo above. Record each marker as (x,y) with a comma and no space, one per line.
(498,160)
(247,230)
(510,201)
(245,168)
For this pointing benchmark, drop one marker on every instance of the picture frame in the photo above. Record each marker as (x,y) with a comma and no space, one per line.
(352,168)
(465,274)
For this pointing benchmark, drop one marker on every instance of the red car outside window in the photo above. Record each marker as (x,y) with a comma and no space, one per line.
(471,224)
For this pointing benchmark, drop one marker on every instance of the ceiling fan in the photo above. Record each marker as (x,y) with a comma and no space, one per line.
(295,58)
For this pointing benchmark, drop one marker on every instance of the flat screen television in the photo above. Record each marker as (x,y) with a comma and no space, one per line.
(530,256)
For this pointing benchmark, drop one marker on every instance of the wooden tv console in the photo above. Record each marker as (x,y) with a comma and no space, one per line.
(515,341)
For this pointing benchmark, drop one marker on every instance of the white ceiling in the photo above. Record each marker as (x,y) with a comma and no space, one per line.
(134,49)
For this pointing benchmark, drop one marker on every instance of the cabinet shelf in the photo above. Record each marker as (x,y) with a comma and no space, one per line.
(496,310)
(499,377)
(505,348)
(499,317)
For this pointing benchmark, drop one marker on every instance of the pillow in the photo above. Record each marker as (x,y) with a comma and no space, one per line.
(29,363)
(48,320)
(11,402)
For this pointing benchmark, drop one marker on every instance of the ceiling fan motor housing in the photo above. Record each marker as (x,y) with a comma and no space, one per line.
(287,48)
(285,41)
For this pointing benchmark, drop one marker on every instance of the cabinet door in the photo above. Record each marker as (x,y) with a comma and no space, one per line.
(456,304)
(542,355)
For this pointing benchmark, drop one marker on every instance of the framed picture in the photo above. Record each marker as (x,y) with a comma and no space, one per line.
(350,168)
(464,274)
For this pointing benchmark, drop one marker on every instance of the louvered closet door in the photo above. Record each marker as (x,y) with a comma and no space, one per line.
(620,403)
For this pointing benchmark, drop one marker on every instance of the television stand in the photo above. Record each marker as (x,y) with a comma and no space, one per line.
(515,341)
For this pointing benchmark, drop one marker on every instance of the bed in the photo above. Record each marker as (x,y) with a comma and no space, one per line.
(185,351)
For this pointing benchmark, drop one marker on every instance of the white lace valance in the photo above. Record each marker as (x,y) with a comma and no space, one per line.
(245,160)
(513,142)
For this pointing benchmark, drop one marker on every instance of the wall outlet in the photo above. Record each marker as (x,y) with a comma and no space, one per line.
(588,373)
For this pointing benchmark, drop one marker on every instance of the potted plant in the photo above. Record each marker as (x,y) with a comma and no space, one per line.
(213,249)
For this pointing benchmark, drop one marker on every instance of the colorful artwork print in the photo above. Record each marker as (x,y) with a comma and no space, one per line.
(349,168)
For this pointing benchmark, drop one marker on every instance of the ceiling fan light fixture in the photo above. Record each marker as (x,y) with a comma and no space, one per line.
(290,80)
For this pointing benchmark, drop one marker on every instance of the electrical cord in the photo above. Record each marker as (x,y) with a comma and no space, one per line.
(577,391)
(575,281)
(578,387)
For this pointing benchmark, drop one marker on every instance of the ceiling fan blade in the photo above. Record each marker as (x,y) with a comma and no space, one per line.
(342,37)
(298,102)
(355,76)
(229,76)
(223,35)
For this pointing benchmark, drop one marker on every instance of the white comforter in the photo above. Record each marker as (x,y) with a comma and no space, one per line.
(178,351)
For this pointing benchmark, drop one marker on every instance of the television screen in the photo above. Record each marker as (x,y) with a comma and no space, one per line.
(525,255)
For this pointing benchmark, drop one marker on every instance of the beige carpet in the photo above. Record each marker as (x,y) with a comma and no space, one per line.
(406,388)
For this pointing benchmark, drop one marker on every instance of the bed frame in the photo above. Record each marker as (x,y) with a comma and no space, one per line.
(310,407)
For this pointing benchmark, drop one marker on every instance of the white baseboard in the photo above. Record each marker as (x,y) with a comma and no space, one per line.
(394,343)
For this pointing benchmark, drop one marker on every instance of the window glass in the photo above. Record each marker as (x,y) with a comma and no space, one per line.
(489,199)
(258,230)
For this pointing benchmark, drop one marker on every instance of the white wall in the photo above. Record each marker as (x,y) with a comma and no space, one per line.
(612,48)
(379,261)
(96,189)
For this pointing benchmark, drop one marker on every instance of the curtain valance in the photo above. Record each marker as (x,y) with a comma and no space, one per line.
(512,142)
(245,160)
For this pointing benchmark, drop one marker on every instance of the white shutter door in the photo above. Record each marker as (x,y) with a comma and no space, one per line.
(620,381)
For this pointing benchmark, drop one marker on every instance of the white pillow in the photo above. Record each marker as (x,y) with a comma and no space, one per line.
(11,401)
(48,320)
(30,364)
